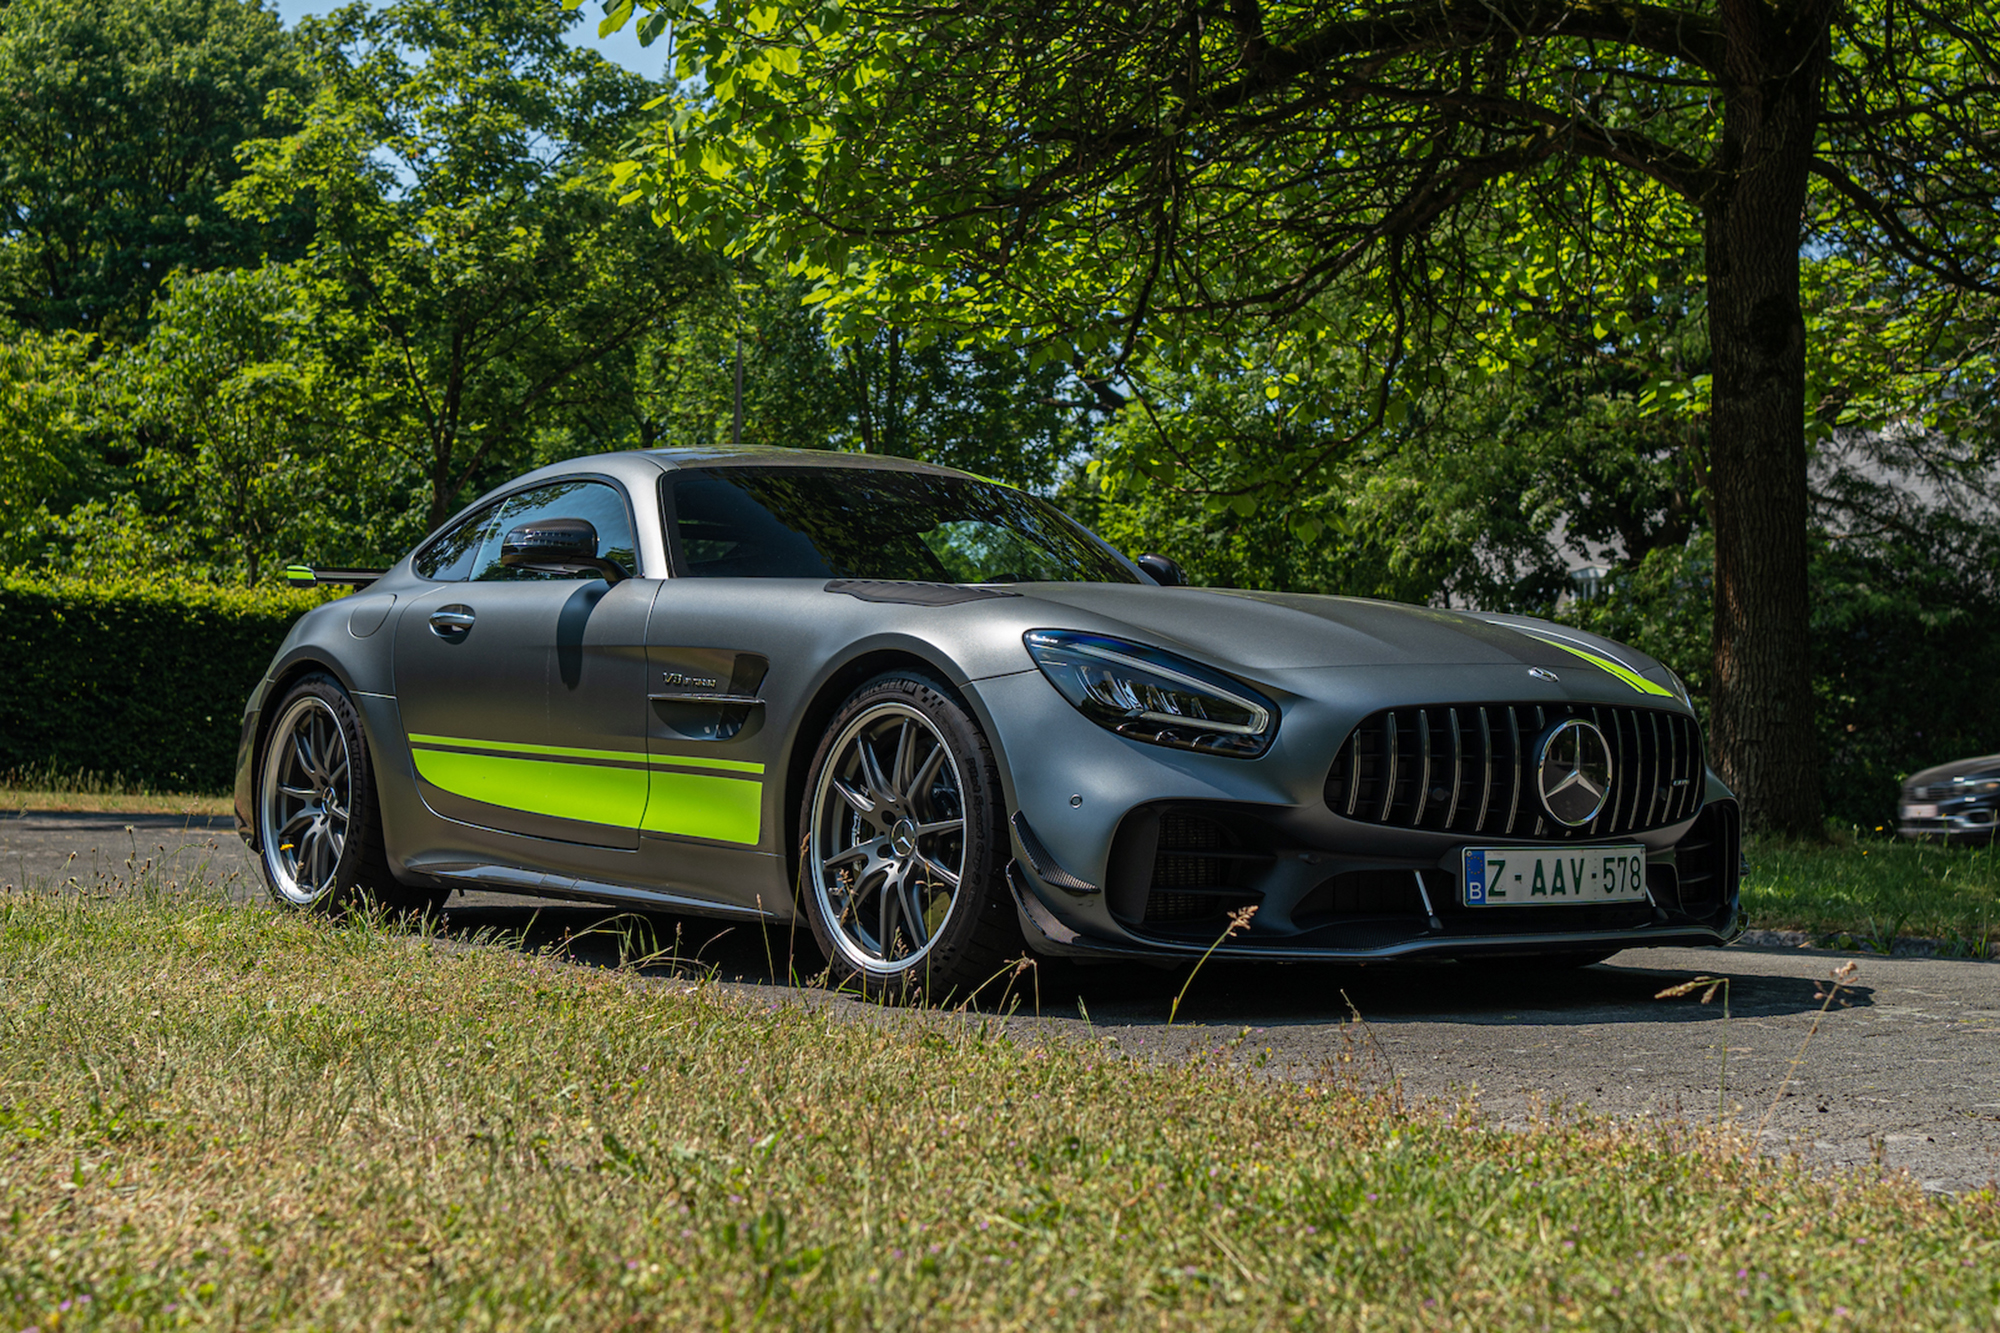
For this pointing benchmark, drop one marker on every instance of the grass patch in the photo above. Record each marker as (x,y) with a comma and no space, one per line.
(1864,893)
(218,1116)
(46,787)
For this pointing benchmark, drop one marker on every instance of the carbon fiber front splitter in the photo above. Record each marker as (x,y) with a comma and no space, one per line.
(1047,934)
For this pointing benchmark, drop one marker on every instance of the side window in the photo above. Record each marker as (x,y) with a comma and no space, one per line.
(602,506)
(725,532)
(449,558)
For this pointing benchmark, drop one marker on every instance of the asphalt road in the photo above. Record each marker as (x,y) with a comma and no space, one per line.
(1904,1069)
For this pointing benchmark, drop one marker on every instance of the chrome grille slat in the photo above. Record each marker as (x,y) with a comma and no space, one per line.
(1653,789)
(1486,787)
(1520,768)
(1389,779)
(1423,766)
(1457,766)
(1423,760)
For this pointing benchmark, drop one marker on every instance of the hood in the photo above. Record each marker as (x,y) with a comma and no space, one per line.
(1272,631)
(1984,766)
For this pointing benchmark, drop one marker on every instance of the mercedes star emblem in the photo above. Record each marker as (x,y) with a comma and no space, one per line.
(1574,772)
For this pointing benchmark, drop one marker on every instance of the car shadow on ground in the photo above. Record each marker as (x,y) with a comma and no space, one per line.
(1220,994)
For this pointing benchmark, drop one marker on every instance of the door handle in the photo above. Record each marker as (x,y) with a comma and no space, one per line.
(447,621)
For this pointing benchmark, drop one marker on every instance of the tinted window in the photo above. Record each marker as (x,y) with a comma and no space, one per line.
(448,559)
(601,506)
(776,523)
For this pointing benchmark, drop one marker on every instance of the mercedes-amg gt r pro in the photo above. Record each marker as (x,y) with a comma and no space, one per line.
(940,720)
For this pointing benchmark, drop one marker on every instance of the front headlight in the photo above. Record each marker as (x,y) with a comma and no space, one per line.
(1153,696)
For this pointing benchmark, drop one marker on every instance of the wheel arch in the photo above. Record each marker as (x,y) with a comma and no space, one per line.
(284,675)
(826,700)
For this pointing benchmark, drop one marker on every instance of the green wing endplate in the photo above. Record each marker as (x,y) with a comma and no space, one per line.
(306,576)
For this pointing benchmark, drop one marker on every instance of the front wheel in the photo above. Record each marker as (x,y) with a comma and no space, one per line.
(906,846)
(319,827)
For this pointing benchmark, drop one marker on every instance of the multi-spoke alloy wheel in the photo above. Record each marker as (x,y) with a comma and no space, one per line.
(308,797)
(902,822)
(319,828)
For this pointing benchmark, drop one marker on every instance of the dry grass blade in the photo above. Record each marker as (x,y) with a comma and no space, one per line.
(1238,920)
(1829,991)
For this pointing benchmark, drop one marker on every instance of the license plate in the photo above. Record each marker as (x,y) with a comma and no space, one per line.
(1552,876)
(1920,812)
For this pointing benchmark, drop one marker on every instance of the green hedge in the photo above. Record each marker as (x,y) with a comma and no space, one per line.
(145,681)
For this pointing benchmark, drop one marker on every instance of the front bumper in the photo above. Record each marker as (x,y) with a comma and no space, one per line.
(1971,819)
(1357,905)
(1049,935)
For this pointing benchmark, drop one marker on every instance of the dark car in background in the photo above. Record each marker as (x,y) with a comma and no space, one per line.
(1955,802)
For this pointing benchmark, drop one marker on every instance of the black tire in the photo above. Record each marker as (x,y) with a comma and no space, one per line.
(319,818)
(883,842)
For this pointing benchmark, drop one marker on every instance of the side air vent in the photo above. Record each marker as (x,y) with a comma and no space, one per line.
(1470,768)
(1175,871)
(1708,859)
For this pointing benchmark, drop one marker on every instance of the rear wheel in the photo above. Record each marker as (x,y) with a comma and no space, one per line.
(319,826)
(906,846)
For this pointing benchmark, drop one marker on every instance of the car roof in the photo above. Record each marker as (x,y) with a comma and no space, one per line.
(744,455)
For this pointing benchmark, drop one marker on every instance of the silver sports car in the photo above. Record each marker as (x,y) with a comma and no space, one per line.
(943,722)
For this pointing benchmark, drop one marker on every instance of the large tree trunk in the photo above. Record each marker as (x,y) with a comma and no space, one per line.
(1761,694)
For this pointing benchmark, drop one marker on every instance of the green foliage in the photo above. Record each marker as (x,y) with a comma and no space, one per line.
(45,410)
(991,411)
(468,279)
(684,376)
(145,679)
(120,134)
(231,404)
(1905,647)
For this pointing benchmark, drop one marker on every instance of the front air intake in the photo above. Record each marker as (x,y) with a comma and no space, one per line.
(1470,768)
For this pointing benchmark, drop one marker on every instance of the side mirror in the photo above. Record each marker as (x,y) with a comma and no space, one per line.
(557,546)
(1163,570)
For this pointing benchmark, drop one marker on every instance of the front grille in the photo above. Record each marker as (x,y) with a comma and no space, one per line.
(1470,768)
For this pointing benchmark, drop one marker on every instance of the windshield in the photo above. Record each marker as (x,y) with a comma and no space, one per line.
(797,523)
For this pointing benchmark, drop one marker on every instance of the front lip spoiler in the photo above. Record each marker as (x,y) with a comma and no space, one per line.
(1061,940)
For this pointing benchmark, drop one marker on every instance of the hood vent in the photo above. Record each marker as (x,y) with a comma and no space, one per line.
(1470,769)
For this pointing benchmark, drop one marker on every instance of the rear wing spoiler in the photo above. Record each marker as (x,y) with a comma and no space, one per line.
(305,576)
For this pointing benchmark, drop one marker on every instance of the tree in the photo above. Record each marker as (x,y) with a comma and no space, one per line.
(984,409)
(224,393)
(121,125)
(45,410)
(1114,183)
(467,274)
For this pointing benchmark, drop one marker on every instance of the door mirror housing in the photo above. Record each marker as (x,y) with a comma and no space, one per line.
(1163,570)
(557,546)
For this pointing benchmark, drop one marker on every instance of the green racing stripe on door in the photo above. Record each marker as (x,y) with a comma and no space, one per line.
(697,805)
(631,790)
(1603,663)
(569,752)
(595,793)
